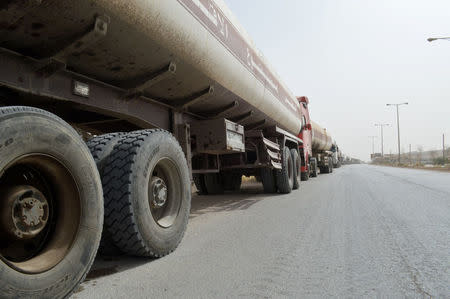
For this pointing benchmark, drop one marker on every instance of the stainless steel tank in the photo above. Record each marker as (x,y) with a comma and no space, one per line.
(201,37)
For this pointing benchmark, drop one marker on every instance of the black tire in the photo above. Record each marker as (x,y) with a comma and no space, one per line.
(305,176)
(314,168)
(285,176)
(101,147)
(268,180)
(297,168)
(214,183)
(45,158)
(199,181)
(231,181)
(140,162)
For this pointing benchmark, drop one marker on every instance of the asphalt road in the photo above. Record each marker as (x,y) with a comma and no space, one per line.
(363,231)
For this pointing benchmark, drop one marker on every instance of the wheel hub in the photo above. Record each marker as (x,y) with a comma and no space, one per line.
(25,211)
(159,192)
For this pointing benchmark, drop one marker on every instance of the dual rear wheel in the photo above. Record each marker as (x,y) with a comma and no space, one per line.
(217,183)
(53,200)
(147,193)
(285,179)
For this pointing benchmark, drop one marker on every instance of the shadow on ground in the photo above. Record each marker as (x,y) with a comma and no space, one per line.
(250,194)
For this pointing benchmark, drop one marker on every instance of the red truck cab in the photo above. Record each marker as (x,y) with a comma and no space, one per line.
(305,134)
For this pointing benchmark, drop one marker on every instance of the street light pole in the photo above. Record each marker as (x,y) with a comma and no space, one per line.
(410,161)
(432,39)
(443,149)
(373,143)
(381,126)
(398,126)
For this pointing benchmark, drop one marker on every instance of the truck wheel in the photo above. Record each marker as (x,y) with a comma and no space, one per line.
(305,176)
(268,180)
(147,193)
(314,168)
(51,205)
(297,170)
(285,176)
(199,181)
(231,181)
(213,183)
(101,147)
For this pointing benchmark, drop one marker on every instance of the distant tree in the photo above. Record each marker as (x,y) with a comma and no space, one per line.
(433,156)
(439,161)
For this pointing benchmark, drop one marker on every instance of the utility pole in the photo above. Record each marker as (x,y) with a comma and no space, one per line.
(410,161)
(443,149)
(432,39)
(373,144)
(398,126)
(381,127)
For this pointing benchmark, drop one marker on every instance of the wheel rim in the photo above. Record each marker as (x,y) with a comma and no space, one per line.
(40,213)
(165,192)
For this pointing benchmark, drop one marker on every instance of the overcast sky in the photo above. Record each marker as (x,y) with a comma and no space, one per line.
(351,57)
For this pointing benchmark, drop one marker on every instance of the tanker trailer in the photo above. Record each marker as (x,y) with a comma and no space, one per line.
(163,92)
(316,150)
(322,148)
(337,155)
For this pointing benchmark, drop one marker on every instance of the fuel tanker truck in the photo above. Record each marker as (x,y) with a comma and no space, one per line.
(109,109)
(337,155)
(317,151)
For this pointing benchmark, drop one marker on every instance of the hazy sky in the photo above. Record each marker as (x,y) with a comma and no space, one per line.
(351,57)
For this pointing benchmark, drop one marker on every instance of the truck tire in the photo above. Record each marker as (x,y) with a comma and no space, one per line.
(147,193)
(214,183)
(305,176)
(297,168)
(231,181)
(50,178)
(199,181)
(101,147)
(268,180)
(313,168)
(285,176)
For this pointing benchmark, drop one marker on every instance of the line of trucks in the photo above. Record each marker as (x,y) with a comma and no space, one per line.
(109,109)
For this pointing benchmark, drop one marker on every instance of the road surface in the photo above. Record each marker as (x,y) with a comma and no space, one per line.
(361,231)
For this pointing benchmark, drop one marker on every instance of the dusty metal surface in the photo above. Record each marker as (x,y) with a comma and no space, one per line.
(321,140)
(25,211)
(217,136)
(40,213)
(165,192)
(105,99)
(128,54)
